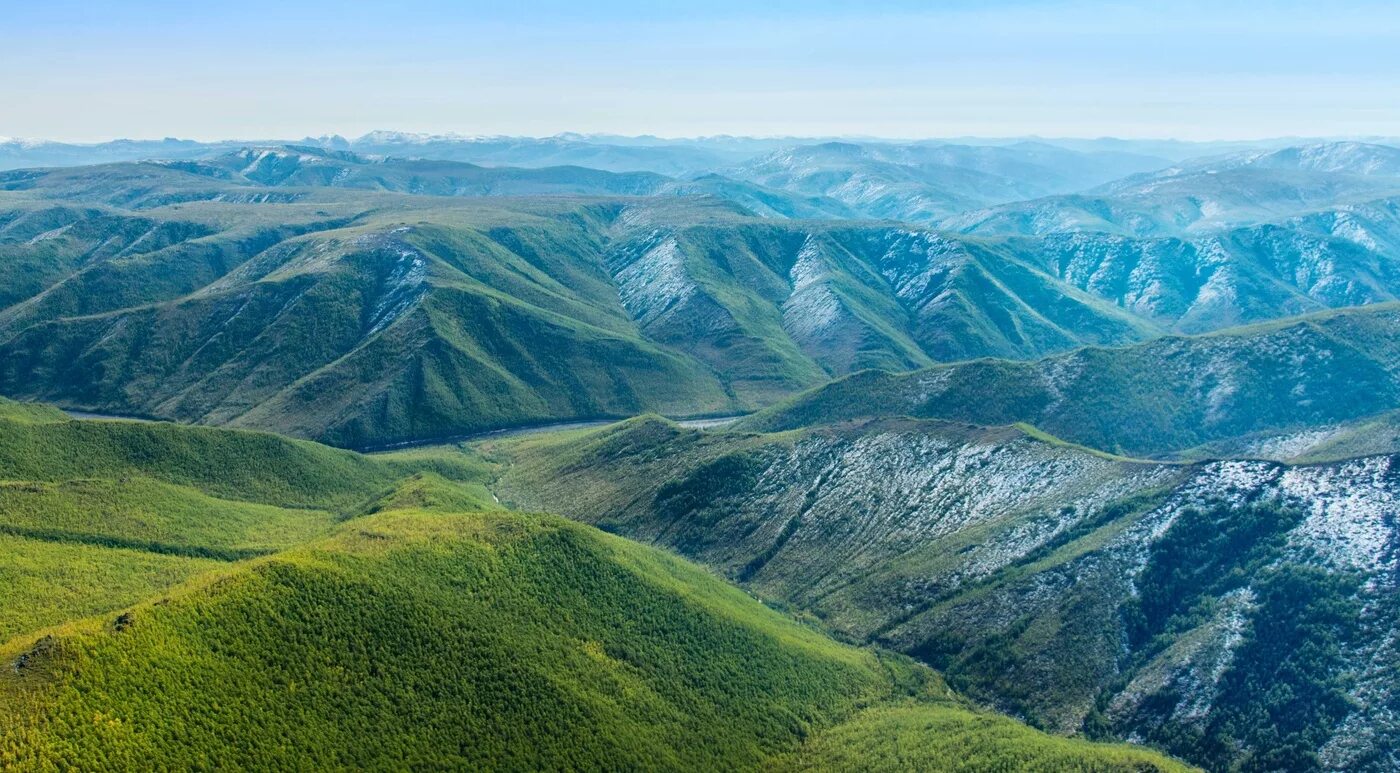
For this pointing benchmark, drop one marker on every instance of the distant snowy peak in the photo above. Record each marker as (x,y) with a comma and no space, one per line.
(23,143)
(382,137)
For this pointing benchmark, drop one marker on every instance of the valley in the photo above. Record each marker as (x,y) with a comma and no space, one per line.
(1047,455)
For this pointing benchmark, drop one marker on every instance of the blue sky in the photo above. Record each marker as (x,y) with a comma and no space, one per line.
(257,69)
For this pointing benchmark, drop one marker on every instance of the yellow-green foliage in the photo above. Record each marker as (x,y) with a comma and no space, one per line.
(414,639)
(249,466)
(150,515)
(417,639)
(32,412)
(47,583)
(97,515)
(949,738)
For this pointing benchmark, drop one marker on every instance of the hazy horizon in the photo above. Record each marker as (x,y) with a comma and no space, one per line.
(891,69)
(602,136)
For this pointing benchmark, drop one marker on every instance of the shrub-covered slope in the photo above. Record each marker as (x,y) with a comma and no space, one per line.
(1239,614)
(178,597)
(364,319)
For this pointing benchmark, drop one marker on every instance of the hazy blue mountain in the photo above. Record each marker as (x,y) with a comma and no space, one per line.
(927,181)
(1343,256)
(617,154)
(17,154)
(1202,196)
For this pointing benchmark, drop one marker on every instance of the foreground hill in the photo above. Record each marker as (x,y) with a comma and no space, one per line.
(1240,614)
(1154,399)
(317,608)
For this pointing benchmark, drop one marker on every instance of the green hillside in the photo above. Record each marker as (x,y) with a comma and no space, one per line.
(364,302)
(1154,399)
(364,318)
(96,515)
(311,607)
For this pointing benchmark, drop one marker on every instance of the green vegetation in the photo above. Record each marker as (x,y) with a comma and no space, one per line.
(45,583)
(208,596)
(98,515)
(1290,661)
(195,598)
(463,641)
(35,412)
(918,737)
(1204,555)
(326,306)
(1161,398)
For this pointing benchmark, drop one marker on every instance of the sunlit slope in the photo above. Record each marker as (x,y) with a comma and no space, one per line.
(502,641)
(96,515)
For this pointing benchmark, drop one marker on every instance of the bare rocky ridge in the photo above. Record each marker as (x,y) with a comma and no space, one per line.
(956,543)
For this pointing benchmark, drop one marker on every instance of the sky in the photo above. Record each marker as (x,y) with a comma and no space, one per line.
(91,71)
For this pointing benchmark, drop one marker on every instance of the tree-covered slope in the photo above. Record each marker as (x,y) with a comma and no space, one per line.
(178,597)
(1220,610)
(1157,398)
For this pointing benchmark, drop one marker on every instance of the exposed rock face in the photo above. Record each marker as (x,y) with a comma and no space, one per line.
(961,545)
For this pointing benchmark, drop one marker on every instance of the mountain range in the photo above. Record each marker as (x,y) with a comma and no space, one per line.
(1004,453)
(268,279)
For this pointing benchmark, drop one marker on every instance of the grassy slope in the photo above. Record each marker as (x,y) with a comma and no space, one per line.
(913,737)
(447,635)
(99,514)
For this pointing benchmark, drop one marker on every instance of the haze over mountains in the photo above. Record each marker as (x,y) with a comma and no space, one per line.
(1105,431)
(266,275)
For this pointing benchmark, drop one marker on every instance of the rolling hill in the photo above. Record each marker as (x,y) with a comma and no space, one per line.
(383,612)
